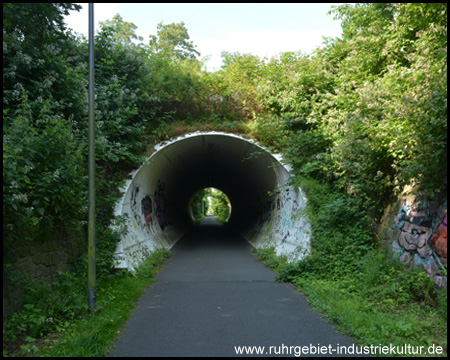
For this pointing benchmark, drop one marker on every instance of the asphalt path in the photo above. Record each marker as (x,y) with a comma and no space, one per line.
(213,295)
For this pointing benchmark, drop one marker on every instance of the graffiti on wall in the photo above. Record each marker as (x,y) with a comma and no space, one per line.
(276,213)
(161,207)
(146,206)
(148,211)
(134,201)
(281,204)
(138,253)
(423,237)
(265,209)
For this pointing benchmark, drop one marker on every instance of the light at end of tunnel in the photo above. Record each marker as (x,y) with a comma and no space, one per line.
(210,201)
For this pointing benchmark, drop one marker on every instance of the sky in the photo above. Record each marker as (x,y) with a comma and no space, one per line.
(263,29)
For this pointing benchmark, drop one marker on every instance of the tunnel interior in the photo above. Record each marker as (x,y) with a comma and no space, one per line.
(157,199)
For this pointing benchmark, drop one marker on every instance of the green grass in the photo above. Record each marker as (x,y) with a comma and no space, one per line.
(375,323)
(94,335)
(382,304)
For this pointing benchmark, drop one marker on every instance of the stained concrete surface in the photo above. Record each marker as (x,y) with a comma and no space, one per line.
(213,294)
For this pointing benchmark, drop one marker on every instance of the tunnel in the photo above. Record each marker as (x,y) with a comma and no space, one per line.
(156,201)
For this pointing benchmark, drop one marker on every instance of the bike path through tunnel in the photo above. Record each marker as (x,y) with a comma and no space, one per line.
(156,203)
(211,251)
(213,295)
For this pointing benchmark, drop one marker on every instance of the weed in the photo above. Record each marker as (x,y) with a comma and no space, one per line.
(378,305)
(151,264)
(368,293)
(55,322)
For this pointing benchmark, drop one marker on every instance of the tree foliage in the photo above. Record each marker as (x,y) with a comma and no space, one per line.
(210,201)
(366,113)
(43,100)
(172,41)
(358,119)
(36,21)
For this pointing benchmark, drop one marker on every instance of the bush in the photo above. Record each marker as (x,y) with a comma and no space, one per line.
(48,307)
(42,174)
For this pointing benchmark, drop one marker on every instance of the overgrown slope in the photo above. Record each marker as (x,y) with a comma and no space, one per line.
(358,119)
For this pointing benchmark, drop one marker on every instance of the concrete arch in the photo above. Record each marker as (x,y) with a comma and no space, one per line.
(265,208)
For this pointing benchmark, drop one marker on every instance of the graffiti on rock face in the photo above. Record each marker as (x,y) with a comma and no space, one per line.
(439,239)
(421,240)
(413,238)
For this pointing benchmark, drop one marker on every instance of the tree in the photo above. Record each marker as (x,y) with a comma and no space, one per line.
(210,201)
(41,58)
(172,41)
(39,21)
(43,105)
(240,76)
(220,204)
(387,114)
(123,31)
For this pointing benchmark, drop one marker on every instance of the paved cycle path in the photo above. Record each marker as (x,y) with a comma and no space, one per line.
(214,295)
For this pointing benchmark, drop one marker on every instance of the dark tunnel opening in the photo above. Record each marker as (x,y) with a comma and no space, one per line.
(157,200)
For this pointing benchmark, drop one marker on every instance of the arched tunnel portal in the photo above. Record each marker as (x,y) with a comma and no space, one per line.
(156,200)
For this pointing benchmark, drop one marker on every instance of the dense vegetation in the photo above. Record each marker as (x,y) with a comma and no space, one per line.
(358,119)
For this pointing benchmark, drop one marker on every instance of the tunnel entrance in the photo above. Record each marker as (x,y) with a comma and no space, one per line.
(156,203)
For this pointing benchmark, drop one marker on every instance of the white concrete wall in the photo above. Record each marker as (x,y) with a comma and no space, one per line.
(281,224)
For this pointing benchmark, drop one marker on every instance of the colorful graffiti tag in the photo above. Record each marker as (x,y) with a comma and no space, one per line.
(147,224)
(423,237)
(151,211)
(439,239)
